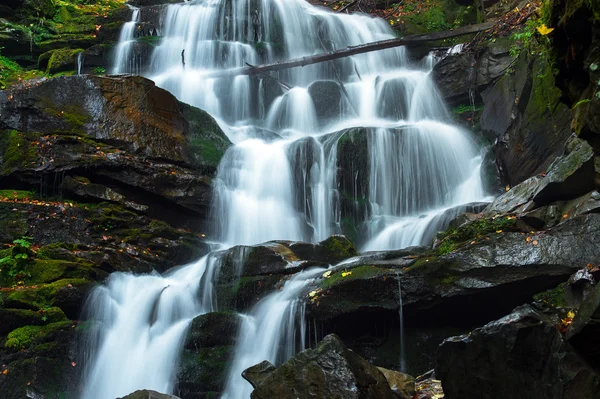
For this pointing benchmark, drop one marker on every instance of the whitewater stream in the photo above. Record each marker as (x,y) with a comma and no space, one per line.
(279,180)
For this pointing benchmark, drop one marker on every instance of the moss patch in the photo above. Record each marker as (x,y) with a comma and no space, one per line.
(25,337)
(357,273)
(41,297)
(554,297)
(453,238)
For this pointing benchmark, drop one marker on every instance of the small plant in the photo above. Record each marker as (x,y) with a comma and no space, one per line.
(99,70)
(13,267)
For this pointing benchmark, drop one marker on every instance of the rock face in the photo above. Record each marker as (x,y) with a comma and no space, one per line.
(206,356)
(248,273)
(328,371)
(521,108)
(568,177)
(584,332)
(522,355)
(147,394)
(124,135)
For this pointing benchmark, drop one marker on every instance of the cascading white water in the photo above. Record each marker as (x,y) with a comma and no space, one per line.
(124,62)
(279,180)
(274,331)
(137,328)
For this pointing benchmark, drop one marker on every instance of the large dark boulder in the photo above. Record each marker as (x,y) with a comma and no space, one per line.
(522,355)
(248,273)
(328,371)
(465,281)
(120,132)
(568,177)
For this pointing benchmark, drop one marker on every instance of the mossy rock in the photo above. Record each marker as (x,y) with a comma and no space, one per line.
(27,336)
(43,296)
(11,319)
(50,270)
(213,329)
(59,60)
(204,370)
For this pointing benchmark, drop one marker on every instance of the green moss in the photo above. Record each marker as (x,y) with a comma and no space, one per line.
(24,337)
(62,59)
(50,270)
(17,150)
(340,247)
(17,195)
(43,296)
(453,238)
(207,150)
(357,273)
(554,297)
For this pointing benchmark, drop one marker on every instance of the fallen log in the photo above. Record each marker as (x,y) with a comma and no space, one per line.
(354,50)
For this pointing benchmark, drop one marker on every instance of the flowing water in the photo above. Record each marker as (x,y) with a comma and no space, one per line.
(280,179)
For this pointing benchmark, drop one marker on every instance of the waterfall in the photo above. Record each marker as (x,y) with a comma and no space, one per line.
(279,179)
(124,61)
(80,59)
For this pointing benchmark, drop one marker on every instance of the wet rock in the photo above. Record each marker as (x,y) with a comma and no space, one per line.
(524,112)
(521,355)
(458,76)
(403,385)
(584,331)
(328,371)
(213,329)
(248,273)
(123,130)
(258,373)
(569,176)
(40,361)
(202,372)
(327,96)
(463,284)
(148,394)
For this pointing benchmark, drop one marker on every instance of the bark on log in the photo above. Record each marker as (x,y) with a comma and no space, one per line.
(354,50)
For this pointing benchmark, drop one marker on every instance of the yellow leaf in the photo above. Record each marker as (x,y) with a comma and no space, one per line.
(544,30)
(344,274)
(327,274)
(312,293)
(498,231)
(571,314)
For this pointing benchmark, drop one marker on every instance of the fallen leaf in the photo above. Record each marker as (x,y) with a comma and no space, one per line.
(544,30)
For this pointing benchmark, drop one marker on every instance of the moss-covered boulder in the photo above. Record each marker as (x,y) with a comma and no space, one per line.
(330,370)
(124,130)
(60,60)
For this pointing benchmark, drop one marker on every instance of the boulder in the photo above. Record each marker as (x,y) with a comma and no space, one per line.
(123,130)
(584,331)
(328,371)
(461,284)
(213,329)
(522,355)
(568,177)
(148,394)
(258,373)
(402,384)
(248,273)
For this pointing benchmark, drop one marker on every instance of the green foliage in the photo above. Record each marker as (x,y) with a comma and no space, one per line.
(8,68)
(14,267)
(99,70)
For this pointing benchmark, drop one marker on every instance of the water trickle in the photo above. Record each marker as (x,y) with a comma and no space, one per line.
(80,59)
(280,179)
